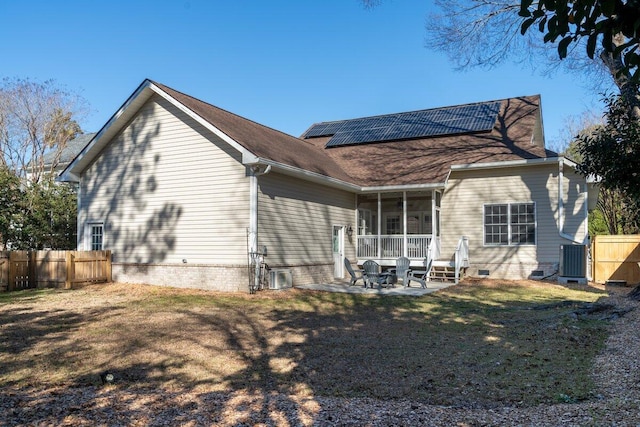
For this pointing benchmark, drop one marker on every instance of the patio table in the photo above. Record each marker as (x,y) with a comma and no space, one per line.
(387,279)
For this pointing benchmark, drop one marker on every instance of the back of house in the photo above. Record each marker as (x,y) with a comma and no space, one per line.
(186,194)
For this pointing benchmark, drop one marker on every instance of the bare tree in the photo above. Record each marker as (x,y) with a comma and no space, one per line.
(486,33)
(36,119)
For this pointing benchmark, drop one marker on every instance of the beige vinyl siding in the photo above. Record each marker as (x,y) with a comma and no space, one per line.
(468,191)
(169,190)
(296,219)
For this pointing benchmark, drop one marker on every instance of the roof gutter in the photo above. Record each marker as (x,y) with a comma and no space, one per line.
(514,163)
(410,187)
(300,173)
(252,161)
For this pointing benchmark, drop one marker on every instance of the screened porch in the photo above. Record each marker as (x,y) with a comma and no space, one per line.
(392,225)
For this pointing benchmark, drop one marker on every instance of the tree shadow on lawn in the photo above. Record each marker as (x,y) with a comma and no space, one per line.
(448,349)
(30,337)
(441,351)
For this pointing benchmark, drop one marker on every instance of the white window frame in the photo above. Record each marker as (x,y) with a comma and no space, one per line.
(395,217)
(89,234)
(509,224)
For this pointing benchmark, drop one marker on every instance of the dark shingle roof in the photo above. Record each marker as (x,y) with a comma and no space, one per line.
(429,160)
(515,135)
(70,151)
(261,140)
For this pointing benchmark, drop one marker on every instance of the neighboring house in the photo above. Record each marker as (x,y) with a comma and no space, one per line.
(56,162)
(182,191)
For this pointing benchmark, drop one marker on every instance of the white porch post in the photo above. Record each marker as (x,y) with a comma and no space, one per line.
(433,214)
(379,226)
(405,239)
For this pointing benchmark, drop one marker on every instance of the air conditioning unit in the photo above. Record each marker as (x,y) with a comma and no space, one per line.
(280,278)
(573,261)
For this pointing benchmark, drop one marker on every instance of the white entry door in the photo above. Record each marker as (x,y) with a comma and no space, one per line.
(338,251)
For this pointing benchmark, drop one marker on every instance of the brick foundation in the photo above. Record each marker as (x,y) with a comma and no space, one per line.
(515,271)
(211,277)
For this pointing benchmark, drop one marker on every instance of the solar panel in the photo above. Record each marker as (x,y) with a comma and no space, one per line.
(324,129)
(415,124)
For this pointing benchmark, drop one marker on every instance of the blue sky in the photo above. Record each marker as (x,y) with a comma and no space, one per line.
(285,64)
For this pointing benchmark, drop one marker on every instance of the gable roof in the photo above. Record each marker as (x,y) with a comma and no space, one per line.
(262,141)
(257,143)
(509,130)
(515,135)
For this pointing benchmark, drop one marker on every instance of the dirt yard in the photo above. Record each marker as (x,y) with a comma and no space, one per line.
(480,353)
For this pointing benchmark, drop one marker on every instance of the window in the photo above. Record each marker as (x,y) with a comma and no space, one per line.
(393,224)
(413,223)
(95,236)
(510,224)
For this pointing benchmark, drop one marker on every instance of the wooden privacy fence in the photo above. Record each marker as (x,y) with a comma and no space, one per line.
(616,258)
(59,269)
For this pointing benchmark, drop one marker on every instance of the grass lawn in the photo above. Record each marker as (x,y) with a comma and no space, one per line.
(477,344)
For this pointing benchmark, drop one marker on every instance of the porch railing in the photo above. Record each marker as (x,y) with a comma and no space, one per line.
(393,246)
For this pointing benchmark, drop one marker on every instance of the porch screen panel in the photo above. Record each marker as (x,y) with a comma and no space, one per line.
(394,224)
(413,224)
(367,223)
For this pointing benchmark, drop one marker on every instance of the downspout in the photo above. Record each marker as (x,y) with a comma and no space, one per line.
(561,205)
(255,172)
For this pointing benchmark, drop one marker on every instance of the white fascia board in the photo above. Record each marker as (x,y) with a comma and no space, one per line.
(409,187)
(141,95)
(226,138)
(336,183)
(86,156)
(510,163)
(569,162)
(68,177)
(516,163)
(304,174)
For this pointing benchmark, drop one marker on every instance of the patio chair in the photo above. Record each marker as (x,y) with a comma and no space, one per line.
(371,273)
(419,276)
(403,271)
(355,274)
(403,267)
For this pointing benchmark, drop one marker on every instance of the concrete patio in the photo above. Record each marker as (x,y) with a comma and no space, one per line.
(398,290)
